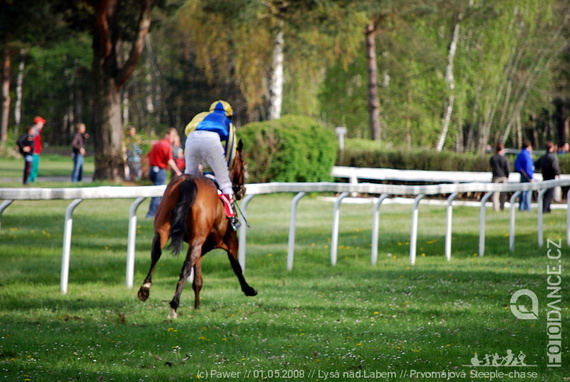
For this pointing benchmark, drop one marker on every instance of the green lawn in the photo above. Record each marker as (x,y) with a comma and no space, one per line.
(50,166)
(350,322)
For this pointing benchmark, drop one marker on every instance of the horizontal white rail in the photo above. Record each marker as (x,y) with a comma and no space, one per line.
(359,173)
(105,192)
(370,188)
(385,190)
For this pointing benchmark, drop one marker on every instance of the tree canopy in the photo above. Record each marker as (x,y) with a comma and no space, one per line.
(450,74)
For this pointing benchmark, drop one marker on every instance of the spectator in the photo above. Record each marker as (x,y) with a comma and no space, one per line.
(500,168)
(38,126)
(160,158)
(26,147)
(78,147)
(525,166)
(133,152)
(548,164)
(178,154)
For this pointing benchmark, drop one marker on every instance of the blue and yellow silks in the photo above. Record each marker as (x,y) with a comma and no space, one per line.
(217,122)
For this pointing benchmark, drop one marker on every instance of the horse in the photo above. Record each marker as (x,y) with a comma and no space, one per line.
(192,212)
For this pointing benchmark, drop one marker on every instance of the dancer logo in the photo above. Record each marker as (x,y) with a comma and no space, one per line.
(497,360)
(521,311)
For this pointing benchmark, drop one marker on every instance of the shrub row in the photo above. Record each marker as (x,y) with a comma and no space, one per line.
(361,153)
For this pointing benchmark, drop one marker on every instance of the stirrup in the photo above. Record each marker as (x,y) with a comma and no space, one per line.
(234,223)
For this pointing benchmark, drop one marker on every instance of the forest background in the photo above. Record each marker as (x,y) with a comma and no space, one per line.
(454,75)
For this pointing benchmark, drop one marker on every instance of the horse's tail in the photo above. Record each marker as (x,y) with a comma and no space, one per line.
(179,215)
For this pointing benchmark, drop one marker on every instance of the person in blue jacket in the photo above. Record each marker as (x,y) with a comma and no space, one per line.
(524,165)
(211,140)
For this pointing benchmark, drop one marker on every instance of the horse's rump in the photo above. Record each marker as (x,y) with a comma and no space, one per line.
(176,215)
(179,215)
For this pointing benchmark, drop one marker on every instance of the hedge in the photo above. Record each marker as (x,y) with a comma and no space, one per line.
(362,153)
(289,149)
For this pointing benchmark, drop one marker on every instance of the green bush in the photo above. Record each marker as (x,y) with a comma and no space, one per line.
(289,149)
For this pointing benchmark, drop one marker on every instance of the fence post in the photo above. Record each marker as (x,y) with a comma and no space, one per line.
(513,202)
(243,232)
(414,233)
(67,244)
(482,223)
(540,217)
(3,206)
(131,241)
(376,228)
(448,225)
(568,218)
(336,218)
(291,246)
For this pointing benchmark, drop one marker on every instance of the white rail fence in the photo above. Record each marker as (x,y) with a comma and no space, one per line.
(356,174)
(77,195)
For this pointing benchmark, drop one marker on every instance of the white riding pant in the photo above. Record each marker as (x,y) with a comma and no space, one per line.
(204,147)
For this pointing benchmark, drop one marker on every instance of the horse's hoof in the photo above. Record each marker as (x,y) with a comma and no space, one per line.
(250,292)
(144,292)
(172,315)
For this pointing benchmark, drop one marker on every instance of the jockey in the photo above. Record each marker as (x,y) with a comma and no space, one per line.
(211,139)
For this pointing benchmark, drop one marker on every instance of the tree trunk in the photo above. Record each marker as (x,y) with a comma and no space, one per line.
(373,100)
(154,88)
(19,92)
(110,74)
(108,134)
(449,78)
(276,84)
(6,62)
(561,119)
(408,119)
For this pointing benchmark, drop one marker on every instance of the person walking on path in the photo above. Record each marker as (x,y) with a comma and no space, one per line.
(160,158)
(38,126)
(78,147)
(548,164)
(500,169)
(524,165)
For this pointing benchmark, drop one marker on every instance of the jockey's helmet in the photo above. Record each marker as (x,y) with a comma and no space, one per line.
(222,105)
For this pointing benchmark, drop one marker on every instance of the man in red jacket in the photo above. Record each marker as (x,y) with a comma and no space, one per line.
(39,123)
(159,159)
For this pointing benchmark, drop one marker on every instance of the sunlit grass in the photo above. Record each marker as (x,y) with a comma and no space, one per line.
(315,319)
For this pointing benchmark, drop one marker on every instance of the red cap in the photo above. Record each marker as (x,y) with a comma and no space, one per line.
(39,120)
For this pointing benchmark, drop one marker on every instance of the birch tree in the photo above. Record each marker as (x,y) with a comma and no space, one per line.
(372,68)
(450,80)
(286,39)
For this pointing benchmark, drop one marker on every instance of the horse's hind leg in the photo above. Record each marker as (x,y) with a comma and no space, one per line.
(192,261)
(197,282)
(233,245)
(156,252)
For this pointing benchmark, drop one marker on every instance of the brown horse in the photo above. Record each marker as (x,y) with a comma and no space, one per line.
(191,211)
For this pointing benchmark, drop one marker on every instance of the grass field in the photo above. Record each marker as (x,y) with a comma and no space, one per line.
(350,322)
(50,166)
